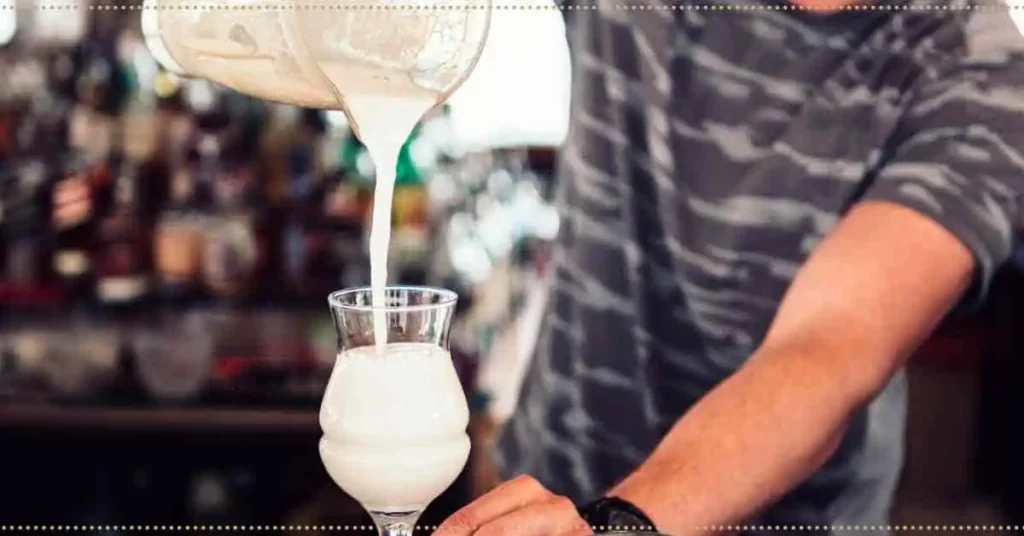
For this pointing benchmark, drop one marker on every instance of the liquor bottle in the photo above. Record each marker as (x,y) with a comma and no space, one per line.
(123,251)
(410,201)
(25,272)
(234,254)
(190,153)
(76,203)
(43,129)
(22,82)
(411,238)
(350,195)
(101,90)
(299,241)
(307,260)
(304,148)
(102,87)
(62,73)
(344,205)
(174,114)
(179,234)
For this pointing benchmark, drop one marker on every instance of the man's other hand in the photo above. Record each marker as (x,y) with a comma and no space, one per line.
(520,507)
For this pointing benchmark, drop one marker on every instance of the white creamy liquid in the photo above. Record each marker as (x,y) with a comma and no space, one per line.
(394,426)
(383,106)
(383,109)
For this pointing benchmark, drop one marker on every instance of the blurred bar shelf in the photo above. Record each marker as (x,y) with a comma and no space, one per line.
(102,419)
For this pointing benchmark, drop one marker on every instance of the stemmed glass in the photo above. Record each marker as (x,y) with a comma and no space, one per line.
(394,416)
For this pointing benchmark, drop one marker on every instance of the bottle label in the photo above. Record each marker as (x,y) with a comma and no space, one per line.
(71,263)
(121,289)
(230,257)
(178,250)
(72,202)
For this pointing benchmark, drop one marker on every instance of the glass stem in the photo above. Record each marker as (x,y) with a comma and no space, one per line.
(395,523)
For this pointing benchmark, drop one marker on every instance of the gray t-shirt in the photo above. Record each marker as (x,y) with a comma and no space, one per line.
(709,152)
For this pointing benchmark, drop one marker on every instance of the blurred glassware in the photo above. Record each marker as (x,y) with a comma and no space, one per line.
(280,337)
(321,336)
(8,22)
(9,370)
(80,357)
(174,357)
(57,23)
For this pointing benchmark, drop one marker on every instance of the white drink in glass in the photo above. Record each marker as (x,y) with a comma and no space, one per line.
(394,426)
(394,416)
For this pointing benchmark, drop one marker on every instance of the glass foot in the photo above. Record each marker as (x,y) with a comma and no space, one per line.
(395,523)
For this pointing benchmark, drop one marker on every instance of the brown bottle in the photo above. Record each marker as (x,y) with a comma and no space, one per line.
(343,205)
(24,268)
(179,236)
(235,247)
(123,252)
(177,124)
(303,244)
(75,206)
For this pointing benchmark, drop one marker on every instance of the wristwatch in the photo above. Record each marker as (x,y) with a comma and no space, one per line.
(612,514)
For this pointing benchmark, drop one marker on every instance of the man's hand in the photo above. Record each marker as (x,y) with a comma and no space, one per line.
(520,507)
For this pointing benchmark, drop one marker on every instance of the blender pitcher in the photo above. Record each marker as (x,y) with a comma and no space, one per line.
(312,54)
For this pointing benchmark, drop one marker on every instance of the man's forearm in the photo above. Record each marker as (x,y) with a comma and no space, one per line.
(750,440)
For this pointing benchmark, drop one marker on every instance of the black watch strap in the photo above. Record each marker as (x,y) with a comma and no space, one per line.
(612,514)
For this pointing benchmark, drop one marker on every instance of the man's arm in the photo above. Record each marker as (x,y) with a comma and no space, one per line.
(867,297)
(861,304)
(942,209)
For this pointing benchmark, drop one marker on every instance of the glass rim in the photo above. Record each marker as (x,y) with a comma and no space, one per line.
(447,299)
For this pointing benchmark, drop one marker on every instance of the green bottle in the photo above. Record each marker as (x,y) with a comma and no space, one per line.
(406,172)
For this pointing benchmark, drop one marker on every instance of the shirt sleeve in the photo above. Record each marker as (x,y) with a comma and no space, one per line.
(957,157)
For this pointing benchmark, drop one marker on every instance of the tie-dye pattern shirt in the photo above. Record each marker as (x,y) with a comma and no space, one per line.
(709,152)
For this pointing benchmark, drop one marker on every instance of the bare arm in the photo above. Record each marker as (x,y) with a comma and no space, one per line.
(939,213)
(870,294)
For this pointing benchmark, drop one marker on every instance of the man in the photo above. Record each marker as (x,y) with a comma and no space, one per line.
(765,213)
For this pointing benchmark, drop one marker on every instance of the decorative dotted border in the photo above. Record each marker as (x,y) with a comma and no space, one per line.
(353,528)
(522,6)
(526,5)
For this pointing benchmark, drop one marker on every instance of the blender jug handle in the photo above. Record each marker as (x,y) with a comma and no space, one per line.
(154,38)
